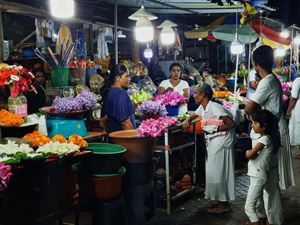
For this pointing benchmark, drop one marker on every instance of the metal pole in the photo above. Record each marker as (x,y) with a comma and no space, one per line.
(249,53)
(1,39)
(116,33)
(236,72)
(168,192)
(195,156)
(291,55)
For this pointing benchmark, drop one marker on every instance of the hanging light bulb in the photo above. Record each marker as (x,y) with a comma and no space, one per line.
(148,53)
(167,35)
(280,52)
(285,33)
(199,39)
(144,30)
(297,39)
(62,9)
(236,47)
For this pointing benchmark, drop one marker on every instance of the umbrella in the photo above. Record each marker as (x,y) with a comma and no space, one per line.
(203,31)
(226,32)
(270,33)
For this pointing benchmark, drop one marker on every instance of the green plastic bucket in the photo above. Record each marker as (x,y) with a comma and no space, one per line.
(60,77)
(105,159)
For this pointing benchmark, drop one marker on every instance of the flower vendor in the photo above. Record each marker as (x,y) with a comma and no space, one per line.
(176,84)
(117,111)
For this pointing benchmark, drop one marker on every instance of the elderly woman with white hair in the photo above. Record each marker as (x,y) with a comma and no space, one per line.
(218,126)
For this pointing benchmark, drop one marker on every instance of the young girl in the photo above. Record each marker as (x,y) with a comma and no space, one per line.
(259,165)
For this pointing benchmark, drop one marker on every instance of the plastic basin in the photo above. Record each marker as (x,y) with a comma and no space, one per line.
(101,186)
(139,149)
(105,158)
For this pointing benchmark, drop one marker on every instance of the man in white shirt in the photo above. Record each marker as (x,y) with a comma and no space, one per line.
(251,83)
(268,95)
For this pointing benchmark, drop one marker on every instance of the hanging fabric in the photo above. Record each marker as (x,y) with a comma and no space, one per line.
(64,38)
(108,35)
(102,49)
(44,29)
(81,52)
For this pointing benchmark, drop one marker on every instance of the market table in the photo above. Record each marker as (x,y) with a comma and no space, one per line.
(94,136)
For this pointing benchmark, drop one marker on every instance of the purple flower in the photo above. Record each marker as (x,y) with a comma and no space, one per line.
(85,100)
(152,109)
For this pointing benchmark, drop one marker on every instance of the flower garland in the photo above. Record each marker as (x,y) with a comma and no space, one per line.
(170,98)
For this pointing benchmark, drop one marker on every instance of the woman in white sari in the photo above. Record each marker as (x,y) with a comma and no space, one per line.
(218,125)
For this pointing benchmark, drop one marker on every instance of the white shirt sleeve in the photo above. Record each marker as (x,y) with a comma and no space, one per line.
(296,88)
(252,75)
(219,110)
(184,84)
(164,84)
(265,140)
(262,92)
(199,111)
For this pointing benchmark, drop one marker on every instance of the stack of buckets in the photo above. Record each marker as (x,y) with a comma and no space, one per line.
(102,171)
(63,77)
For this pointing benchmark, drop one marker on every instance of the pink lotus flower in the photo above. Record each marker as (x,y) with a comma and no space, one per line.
(285,98)
(170,98)
(5,176)
(155,127)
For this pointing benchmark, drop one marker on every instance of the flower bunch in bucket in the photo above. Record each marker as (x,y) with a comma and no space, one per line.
(152,109)
(18,78)
(170,98)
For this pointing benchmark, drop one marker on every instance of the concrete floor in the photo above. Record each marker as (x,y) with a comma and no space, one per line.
(290,203)
(193,211)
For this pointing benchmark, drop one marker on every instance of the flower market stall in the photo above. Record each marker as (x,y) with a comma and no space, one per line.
(64,157)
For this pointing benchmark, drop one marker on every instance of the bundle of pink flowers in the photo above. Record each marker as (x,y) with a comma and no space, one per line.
(155,127)
(5,176)
(170,98)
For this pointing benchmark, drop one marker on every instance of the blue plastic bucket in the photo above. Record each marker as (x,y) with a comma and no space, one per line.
(230,84)
(172,110)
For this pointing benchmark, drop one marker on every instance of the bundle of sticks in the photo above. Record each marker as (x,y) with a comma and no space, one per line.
(60,60)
